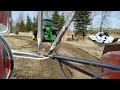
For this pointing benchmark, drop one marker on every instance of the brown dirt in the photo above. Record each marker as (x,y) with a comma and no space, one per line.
(50,69)
(29,69)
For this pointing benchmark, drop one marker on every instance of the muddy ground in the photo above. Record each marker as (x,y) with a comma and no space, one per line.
(49,69)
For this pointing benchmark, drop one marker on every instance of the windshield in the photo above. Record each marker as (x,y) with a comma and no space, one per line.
(47,22)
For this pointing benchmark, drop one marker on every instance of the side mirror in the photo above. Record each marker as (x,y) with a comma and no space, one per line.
(5,22)
(6,60)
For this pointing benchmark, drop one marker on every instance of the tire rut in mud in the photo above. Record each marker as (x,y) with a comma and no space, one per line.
(77,52)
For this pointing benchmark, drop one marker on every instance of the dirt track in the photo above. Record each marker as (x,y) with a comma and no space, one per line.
(47,69)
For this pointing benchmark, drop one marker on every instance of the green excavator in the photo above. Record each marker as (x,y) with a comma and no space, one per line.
(49,32)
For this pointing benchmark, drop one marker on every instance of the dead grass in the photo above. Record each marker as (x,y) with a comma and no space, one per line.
(30,69)
(89,46)
(49,69)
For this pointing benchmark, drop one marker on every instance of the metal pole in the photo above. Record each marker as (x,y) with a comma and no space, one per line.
(78,68)
(88,62)
(39,37)
(61,33)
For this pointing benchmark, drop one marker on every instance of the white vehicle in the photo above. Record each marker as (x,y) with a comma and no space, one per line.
(103,37)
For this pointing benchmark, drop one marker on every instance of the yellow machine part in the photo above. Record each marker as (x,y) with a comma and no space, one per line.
(33,37)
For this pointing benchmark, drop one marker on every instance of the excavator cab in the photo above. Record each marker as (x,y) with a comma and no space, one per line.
(49,32)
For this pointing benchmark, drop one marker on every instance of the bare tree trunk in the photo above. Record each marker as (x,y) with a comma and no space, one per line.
(91,26)
(20,17)
(104,19)
(93,15)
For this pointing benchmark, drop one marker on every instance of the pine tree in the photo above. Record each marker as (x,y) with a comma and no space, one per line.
(62,21)
(22,26)
(34,24)
(17,28)
(81,20)
(56,19)
(28,24)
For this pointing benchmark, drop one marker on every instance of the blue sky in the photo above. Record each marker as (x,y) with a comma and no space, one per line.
(15,14)
(114,21)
